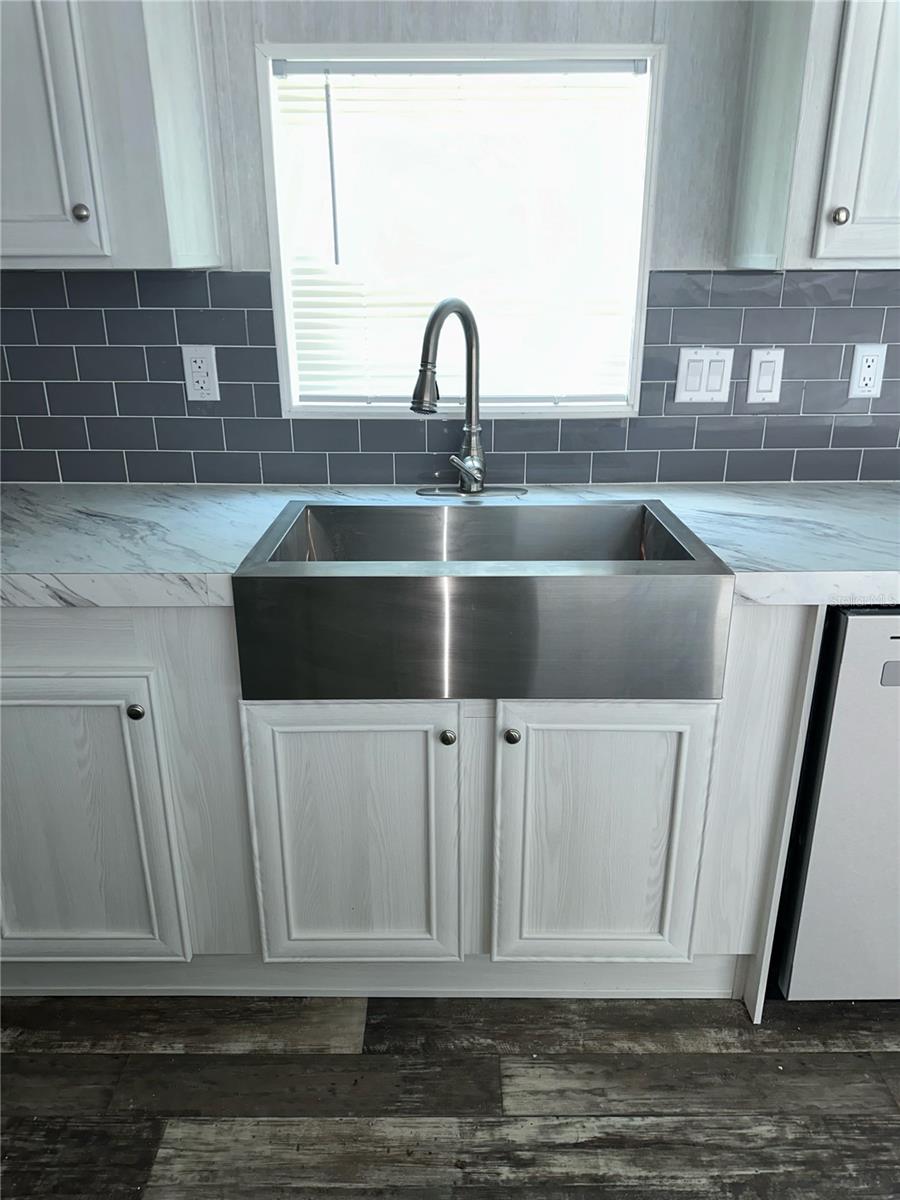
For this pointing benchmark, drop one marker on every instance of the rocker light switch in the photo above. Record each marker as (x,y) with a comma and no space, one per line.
(764,382)
(704,375)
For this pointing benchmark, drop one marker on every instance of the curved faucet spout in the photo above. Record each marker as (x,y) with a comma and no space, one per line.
(470,460)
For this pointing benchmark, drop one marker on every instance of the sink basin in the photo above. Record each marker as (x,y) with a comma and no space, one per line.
(605,600)
(613,533)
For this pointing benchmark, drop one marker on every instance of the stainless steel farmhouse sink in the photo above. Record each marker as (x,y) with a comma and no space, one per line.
(481,601)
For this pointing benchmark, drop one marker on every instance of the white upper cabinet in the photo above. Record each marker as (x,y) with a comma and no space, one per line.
(51,202)
(859,215)
(106,156)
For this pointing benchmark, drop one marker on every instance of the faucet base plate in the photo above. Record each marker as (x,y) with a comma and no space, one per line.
(442,493)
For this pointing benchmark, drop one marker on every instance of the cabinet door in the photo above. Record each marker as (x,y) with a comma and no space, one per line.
(599,822)
(90,865)
(862,166)
(355,821)
(49,163)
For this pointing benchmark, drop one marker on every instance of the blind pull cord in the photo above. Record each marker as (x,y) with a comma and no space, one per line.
(334,212)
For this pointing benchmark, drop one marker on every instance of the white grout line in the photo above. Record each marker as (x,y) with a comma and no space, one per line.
(65,289)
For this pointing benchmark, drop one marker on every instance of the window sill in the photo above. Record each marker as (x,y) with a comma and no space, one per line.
(456,410)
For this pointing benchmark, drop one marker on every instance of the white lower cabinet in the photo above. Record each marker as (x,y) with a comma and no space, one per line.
(599,812)
(355,810)
(89,857)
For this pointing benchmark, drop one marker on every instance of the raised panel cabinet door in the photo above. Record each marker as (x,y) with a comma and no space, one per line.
(862,166)
(48,158)
(599,810)
(355,812)
(90,866)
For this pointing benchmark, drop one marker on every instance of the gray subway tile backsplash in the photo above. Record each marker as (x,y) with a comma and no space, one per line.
(67,327)
(729,433)
(746,289)
(246,433)
(826,464)
(765,327)
(848,325)
(29,466)
(408,435)
(294,468)
(759,466)
(793,433)
(880,464)
(866,431)
(41,362)
(817,289)
(661,433)
(53,433)
(173,289)
(211,326)
(23,399)
(877,287)
(227,467)
(159,466)
(92,466)
(32,289)
(629,466)
(681,289)
(111,362)
(706,327)
(121,433)
(101,289)
(140,327)
(189,433)
(97,389)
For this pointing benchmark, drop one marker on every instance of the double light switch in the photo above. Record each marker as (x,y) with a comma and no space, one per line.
(704,375)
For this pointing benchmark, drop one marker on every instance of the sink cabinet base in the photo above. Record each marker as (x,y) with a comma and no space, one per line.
(711,976)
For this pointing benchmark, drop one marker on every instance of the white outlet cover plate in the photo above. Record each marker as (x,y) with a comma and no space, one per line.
(868,359)
(704,374)
(764,379)
(201,377)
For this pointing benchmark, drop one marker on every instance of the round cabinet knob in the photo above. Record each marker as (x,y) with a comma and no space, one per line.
(448,737)
(81,212)
(840,216)
(513,737)
(135,712)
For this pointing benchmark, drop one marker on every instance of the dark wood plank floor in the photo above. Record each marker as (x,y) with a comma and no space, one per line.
(269,1099)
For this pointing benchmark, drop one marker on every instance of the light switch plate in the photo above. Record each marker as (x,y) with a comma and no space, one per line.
(704,375)
(764,380)
(200,375)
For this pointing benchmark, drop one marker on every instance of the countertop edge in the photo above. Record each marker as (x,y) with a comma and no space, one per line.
(213,590)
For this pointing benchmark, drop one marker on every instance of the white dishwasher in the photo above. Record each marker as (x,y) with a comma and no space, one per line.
(840,916)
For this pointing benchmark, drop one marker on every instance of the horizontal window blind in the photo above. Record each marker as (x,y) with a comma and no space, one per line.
(520,191)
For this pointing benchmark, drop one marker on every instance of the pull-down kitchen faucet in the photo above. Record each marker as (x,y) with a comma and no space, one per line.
(470,460)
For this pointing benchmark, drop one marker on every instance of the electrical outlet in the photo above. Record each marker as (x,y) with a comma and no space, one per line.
(201,379)
(867,371)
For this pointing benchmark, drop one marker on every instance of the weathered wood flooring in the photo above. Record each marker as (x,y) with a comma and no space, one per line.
(282,1099)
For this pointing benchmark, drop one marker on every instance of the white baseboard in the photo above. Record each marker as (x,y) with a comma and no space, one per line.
(718,975)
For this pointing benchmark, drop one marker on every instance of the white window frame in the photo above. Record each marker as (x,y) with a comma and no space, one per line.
(448,52)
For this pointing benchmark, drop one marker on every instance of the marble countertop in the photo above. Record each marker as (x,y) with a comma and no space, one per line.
(82,545)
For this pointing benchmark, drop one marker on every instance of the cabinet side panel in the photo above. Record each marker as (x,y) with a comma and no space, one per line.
(754,751)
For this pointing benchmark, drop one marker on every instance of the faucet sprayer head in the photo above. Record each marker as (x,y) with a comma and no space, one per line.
(425,394)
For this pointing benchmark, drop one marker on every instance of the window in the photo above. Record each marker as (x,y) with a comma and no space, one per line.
(519,186)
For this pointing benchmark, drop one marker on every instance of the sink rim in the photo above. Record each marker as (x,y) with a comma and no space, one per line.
(702,561)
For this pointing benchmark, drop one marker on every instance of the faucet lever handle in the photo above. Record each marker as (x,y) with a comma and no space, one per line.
(473,470)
